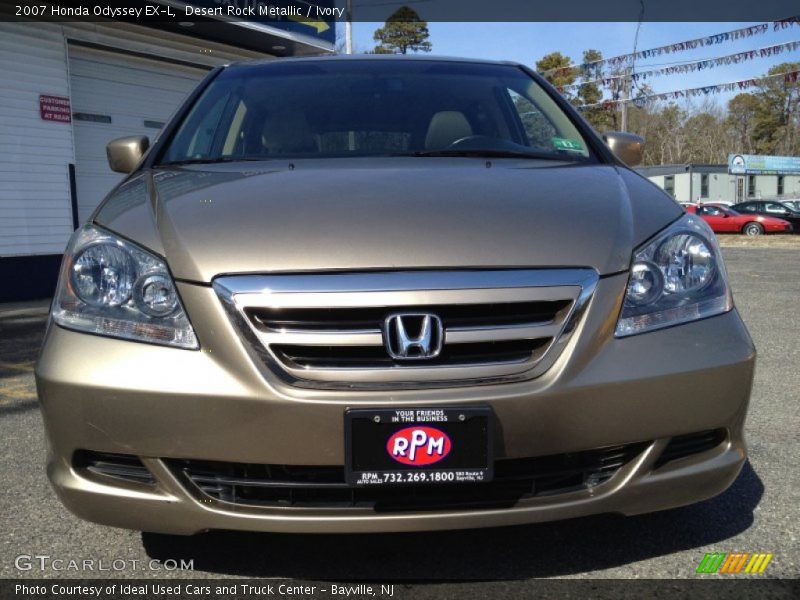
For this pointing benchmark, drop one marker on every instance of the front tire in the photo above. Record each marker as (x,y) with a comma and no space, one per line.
(753,229)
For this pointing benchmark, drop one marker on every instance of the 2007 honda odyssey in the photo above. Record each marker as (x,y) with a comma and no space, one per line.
(388,294)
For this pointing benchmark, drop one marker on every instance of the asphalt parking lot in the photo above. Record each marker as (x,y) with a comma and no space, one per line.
(759,513)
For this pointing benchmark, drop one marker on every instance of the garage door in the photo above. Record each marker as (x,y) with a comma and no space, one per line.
(116,95)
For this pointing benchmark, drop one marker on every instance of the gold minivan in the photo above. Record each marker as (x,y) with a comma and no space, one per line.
(374,293)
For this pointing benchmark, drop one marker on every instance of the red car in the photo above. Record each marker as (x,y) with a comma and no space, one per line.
(726,220)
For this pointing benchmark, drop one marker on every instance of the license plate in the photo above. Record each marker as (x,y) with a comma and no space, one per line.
(418,446)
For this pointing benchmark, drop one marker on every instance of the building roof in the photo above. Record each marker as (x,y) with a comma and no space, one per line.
(683,168)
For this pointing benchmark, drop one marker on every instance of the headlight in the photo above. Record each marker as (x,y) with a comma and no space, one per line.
(677,277)
(111,287)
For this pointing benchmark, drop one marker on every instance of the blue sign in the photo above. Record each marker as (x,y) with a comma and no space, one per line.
(760,164)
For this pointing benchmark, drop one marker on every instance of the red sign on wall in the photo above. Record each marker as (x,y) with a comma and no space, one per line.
(55,108)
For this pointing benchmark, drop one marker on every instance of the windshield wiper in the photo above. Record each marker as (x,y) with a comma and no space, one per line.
(211,161)
(480,153)
(488,153)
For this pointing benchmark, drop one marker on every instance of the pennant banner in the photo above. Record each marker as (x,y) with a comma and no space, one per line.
(788,77)
(697,65)
(711,40)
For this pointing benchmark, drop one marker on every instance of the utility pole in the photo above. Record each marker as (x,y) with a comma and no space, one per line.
(626,94)
(348,48)
(348,28)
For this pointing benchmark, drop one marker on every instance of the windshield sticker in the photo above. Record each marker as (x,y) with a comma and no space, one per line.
(566,144)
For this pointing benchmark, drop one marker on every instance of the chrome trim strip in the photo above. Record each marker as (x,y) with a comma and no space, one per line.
(414,298)
(412,374)
(374,337)
(367,337)
(464,335)
(395,281)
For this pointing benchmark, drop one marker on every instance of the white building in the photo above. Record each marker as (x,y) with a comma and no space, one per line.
(713,183)
(65,91)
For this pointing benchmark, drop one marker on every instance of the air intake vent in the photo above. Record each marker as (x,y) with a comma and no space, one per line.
(694,443)
(325,487)
(123,467)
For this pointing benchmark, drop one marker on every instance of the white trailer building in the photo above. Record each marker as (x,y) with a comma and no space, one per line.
(69,88)
(713,183)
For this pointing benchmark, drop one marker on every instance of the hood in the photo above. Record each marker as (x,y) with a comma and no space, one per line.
(394,213)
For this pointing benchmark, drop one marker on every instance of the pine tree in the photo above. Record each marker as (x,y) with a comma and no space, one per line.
(403,31)
(555,68)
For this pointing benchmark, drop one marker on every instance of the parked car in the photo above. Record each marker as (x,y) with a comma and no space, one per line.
(363,294)
(792,204)
(726,220)
(769,208)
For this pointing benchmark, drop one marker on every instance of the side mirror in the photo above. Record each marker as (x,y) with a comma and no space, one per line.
(125,154)
(627,147)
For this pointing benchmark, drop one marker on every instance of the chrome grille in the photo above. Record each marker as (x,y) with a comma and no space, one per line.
(453,316)
(329,331)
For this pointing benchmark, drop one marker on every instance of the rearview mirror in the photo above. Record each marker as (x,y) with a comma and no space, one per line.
(125,154)
(627,147)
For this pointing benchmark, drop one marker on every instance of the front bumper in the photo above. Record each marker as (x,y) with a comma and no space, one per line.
(157,403)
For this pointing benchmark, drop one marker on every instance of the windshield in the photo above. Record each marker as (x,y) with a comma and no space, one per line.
(374,108)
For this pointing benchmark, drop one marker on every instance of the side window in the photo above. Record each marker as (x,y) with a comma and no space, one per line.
(538,129)
(203,138)
(712,211)
(749,207)
(774,208)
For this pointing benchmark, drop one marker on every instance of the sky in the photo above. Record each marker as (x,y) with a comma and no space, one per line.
(528,42)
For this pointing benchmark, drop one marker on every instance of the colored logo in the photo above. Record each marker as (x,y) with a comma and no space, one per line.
(737,562)
(737,164)
(419,446)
